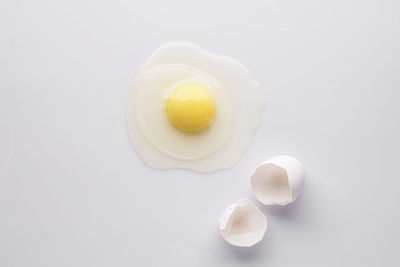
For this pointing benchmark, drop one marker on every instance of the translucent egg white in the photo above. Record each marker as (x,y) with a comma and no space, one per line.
(239,103)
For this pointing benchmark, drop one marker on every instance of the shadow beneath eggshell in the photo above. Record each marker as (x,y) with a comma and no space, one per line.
(242,254)
(285,212)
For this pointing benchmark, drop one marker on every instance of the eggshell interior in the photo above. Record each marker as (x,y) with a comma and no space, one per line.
(243,224)
(278,181)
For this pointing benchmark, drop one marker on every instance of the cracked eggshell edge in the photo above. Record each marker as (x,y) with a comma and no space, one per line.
(295,174)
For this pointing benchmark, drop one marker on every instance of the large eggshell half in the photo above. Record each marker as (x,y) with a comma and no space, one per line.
(278,181)
(242,224)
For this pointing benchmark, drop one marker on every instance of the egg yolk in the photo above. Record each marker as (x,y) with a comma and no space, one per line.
(191,107)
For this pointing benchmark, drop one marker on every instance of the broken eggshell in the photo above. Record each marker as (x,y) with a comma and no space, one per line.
(242,224)
(278,181)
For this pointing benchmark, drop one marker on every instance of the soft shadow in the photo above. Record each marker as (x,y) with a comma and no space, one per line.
(229,253)
(287,212)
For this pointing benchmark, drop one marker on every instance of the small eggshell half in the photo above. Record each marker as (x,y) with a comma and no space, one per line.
(278,181)
(242,224)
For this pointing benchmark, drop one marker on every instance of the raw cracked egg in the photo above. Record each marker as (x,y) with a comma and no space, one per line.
(278,181)
(242,224)
(192,109)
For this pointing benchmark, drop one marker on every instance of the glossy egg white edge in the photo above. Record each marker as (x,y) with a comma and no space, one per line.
(278,180)
(247,99)
(243,224)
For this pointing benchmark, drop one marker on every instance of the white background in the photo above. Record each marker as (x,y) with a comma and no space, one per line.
(74,193)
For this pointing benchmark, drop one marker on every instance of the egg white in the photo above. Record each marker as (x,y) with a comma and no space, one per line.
(239,102)
(151,104)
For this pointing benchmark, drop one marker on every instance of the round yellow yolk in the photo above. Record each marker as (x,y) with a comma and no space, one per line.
(191,107)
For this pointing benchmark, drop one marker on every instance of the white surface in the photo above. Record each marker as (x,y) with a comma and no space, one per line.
(74,193)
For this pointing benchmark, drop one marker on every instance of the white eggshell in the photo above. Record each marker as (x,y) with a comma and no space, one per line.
(243,224)
(278,181)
